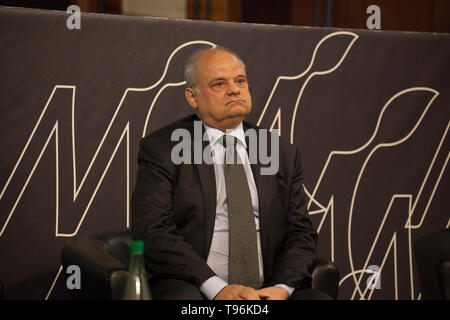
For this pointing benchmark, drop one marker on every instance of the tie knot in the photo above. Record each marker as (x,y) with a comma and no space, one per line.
(228,141)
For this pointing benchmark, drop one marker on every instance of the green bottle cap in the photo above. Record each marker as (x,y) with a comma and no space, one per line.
(137,247)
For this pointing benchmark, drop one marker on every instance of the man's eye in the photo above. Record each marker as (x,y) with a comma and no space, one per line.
(218,84)
(241,81)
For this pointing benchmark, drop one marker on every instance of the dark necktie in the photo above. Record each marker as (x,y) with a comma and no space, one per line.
(243,250)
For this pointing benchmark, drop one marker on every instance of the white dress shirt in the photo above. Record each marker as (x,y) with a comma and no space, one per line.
(219,251)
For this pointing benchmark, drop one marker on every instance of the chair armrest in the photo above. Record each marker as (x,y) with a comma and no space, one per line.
(2,290)
(97,265)
(444,279)
(325,277)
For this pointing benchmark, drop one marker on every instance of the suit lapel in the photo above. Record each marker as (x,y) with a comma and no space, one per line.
(208,184)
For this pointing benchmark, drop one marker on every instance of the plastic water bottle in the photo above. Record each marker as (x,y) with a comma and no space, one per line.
(137,287)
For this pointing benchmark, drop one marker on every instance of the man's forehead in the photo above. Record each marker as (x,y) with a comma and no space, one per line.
(219,63)
(217,57)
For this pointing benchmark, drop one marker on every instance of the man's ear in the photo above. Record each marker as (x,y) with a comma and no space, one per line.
(191,97)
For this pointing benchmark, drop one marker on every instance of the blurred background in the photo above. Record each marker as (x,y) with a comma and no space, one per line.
(402,15)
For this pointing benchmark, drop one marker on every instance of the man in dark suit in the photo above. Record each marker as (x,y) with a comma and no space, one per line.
(184,211)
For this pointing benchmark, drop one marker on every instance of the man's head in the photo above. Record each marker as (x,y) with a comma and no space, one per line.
(217,88)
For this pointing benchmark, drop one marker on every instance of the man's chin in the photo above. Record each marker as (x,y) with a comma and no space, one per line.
(237,110)
(232,120)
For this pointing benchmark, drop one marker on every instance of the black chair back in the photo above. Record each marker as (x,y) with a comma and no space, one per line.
(432,252)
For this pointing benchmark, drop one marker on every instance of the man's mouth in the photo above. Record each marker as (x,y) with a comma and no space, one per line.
(236,100)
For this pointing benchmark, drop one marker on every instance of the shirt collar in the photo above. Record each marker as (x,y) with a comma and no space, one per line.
(215,134)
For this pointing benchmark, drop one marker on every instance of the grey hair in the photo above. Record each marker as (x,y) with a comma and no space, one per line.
(190,70)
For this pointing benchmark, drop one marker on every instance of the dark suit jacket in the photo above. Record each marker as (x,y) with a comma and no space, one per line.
(174,206)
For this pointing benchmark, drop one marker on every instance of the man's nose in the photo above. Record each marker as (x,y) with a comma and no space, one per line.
(233,88)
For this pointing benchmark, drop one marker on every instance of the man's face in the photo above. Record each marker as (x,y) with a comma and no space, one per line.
(221,97)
